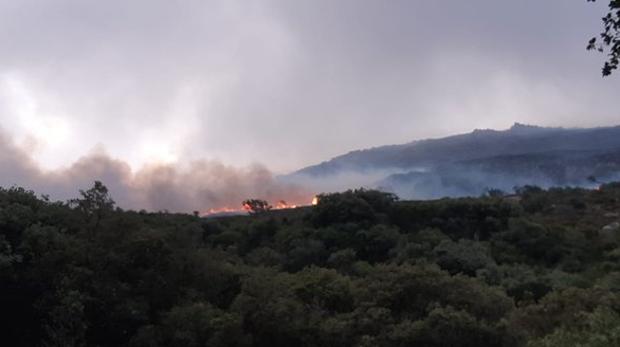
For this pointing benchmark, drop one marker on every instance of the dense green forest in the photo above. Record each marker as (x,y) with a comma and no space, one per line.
(538,268)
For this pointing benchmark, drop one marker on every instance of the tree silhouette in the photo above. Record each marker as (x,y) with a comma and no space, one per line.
(610,38)
(94,203)
(255,206)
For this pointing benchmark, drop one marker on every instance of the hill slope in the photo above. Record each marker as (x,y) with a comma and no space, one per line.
(358,269)
(467,164)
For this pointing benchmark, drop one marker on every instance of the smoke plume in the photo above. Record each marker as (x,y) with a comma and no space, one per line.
(200,185)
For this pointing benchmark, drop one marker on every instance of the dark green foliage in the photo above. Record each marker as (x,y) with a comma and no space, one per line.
(359,206)
(539,268)
(464,256)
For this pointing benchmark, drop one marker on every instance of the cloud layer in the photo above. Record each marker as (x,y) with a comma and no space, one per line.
(288,83)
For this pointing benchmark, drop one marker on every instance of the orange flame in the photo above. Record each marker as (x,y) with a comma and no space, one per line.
(280,205)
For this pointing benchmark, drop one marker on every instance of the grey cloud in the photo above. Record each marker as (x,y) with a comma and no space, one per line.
(290,83)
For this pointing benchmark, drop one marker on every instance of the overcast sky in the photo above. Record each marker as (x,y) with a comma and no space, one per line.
(288,83)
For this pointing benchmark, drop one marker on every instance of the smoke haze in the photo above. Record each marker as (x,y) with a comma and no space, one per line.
(200,185)
(170,104)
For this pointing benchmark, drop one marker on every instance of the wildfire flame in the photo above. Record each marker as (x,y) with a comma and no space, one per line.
(280,205)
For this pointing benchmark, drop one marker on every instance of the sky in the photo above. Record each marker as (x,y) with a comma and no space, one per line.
(279,85)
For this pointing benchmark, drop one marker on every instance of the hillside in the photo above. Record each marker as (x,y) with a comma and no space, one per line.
(476,176)
(459,165)
(358,269)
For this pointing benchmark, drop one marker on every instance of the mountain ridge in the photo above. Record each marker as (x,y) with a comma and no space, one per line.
(471,163)
(480,143)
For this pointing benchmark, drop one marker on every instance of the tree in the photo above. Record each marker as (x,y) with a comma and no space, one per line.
(361,206)
(254,206)
(610,38)
(95,202)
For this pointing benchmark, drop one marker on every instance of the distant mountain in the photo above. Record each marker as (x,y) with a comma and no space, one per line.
(468,164)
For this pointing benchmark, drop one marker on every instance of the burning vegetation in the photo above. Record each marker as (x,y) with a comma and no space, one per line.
(253,206)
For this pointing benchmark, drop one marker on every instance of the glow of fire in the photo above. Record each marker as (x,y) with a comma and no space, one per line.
(280,205)
(219,210)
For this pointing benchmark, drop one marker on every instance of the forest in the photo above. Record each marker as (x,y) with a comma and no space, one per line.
(361,268)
